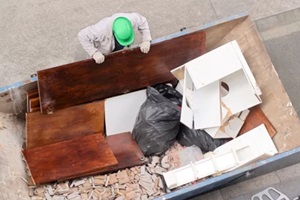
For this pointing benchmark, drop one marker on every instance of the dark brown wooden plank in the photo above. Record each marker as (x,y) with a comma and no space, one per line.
(122,71)
(35,109)
(34,104)
(33,93)
(29,95)
(255,118)
(65,124)
(126,150)
(69,159)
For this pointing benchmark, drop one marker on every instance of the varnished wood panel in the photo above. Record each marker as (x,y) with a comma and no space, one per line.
(34,104)
(30,95)
(65,124)
(126,150)
(255,118)
(122,71)
(69,159)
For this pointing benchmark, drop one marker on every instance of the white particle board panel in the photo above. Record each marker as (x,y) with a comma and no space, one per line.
(200,108)
(233,127)
(254,145)
(211,165)
(251,146)
(241,95)
(179,87)
(187,115)
(213,65)
(121,111)
(229,128)
(214,131)
(207,106)
(179,74)
(246,67)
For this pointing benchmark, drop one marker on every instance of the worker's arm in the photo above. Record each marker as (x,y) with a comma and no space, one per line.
(141,24)
(86,40)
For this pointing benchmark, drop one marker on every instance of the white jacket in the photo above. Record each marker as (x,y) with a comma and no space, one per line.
(99,37)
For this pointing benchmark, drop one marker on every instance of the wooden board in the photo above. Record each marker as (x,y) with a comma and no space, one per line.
(69,159)
(126,150)
(33,103)
(65,124)
(122,71)
(255,118)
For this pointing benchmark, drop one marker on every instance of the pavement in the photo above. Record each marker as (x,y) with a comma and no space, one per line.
(39,34)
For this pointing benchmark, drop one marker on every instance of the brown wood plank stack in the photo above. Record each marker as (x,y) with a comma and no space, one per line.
(69,159)
(65,124)
(123,71)
(255,118)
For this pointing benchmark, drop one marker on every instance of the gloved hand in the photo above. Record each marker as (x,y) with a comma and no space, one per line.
(145,46)
(98,57)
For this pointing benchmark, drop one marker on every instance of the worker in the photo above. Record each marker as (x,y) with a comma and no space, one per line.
(114,33)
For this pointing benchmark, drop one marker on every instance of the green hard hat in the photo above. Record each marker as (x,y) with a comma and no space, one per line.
(123,31)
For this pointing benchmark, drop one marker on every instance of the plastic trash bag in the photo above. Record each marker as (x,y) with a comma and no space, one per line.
(190,154)
(157,124)
(170,93)
(189,137)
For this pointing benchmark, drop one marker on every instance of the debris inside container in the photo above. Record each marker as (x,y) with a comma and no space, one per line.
(216,97)
(139,182)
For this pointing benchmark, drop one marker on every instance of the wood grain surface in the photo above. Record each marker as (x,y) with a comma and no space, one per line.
(126,150)
(32,106)
(65,124)
(69,159)
(122,72)
(255,118)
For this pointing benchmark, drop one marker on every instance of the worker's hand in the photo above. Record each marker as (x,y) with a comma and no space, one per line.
(145,46)
(98,57)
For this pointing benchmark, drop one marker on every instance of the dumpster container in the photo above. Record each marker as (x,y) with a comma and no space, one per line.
(276,103)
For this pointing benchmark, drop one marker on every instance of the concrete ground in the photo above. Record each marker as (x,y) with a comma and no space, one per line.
(38,34)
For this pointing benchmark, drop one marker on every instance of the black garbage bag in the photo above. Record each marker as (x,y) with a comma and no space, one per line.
(157,124)
(170,93)
(189,137)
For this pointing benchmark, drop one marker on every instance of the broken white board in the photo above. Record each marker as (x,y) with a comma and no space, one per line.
(251,146)
(229,128)
(179,88)
(212,164)
(179,74)
(213,65)
(196,102)
(121,111)
(241,95)
(207,106)
(254,145)
(201,94)
(246,67)
(187,115)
